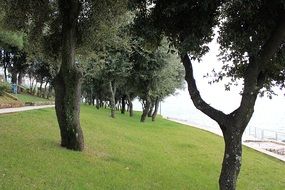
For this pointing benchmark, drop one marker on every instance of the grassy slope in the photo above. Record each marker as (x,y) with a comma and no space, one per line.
(29,98)
(121,153)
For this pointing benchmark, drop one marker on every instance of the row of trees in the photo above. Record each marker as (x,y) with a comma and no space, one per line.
(122,60)
(120,76)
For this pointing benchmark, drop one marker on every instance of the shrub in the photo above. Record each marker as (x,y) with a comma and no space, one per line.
(4,87)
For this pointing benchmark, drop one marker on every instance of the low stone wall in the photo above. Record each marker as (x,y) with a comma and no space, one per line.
(39,103)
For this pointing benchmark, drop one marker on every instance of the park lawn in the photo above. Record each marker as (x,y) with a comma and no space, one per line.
(29,98)
(121,153)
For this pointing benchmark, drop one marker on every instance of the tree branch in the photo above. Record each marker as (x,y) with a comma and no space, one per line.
(199,103)
(255,74)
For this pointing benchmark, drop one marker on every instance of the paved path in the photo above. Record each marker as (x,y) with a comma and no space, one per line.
(26,108)
(249,141)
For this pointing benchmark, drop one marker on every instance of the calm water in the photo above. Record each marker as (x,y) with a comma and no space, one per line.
(269,114)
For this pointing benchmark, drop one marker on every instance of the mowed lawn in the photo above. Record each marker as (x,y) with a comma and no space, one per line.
(121,153)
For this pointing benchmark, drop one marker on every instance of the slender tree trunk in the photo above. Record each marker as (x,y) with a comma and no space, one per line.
(45,92)
(156,106)
(97,103)
(5,65)
(145,110)
(123,109)
(5,73)
(20,77)
(68,80)
(150,111)
(14,76)
(40,89)
(131,111)
(130,106)
(112,88)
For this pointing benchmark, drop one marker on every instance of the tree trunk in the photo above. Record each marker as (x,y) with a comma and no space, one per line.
(232,157)
(145,110)
(97,103)
(130,106)
(150,111)
(14,76)
(45,92)
(123,109)
(40,89)
(112,88)
(156,106)
(6,62)
(20,77)
(131,111)
(5,73)
(68,80)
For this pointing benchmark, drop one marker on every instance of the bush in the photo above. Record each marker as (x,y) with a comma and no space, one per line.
(4,87)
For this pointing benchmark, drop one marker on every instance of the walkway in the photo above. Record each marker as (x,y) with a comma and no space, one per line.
(271,148)
(26,108)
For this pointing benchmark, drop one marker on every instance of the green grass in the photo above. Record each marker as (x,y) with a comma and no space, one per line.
(121,153)
(29,98)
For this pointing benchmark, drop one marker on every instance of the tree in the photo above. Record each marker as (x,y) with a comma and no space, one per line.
(251,35)
(74,25)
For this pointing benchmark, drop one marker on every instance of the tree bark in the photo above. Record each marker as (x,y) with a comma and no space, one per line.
(112,88)
(14,76)
(232,157)
(45,92)
(20,77)
(123,109)
(97,103)
(68,80)
(150,111)
(146,109)
(130,106)
(156,106)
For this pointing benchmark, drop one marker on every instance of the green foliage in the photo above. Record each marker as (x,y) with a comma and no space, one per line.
(4,87)
(245,28)
(10,39)
(121,154)
(187,24)
(156,73)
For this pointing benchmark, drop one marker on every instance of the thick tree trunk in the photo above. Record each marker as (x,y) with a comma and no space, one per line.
(112,88)
(68,81)
(156,106)
(145,110)
(232,157)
